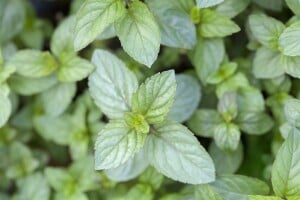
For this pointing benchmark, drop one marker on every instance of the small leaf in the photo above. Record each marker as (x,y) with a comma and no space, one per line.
(231,8)
(289,40)
(116,144)
(204,121)
(174,151)
(207,3)
(227,136)
(155,96)
(92,19)
(139,36)
(112,84)
(227,106)
(214,25)
(286,167)
(266,30)
(188,95)
(74,69)
(33,63)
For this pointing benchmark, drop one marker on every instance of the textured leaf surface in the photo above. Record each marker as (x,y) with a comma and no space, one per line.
(289,40)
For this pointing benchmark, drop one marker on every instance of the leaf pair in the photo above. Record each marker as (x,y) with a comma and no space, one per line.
(137,111)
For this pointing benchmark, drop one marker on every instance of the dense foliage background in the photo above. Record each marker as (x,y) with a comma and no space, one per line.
(154,99)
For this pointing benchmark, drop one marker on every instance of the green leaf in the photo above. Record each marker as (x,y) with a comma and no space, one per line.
(273,5)
(250,99)
(111,85)
(291,65)
(130,169)
(63,37)
(226,162)
(29,86)
(289,40)
(233,187)
(204,121)
(33,187)
(292,111)
(227,106)
(92,19)
(214,25)
(227,136)
(206,192)
(57,99)
(116,144)
(232,84)
(286,167)
(5,107)
(188,95)
(176,27)
(225,71)
(259,197)
(174,151)
(207,57)
(33,63)
(139,191)
(255,123)
(139,36)
(57,178)
(294,5)
(266,30)
(231,8)
(155,97)
(207,3)
(12,18)
(267,64)
(152,177)
(73,69)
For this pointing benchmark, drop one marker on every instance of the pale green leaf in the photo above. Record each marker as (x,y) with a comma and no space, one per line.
(207,192)
(259,197)
(12,17)
(130,169)
(227,106)
(155,97)
(5,107)
(233,187)
(207,57)
(227,136)
(231,8)
(292,111)
(289,40)
(175,152)
(294,5)
(58,178)
(232,84)
(116,144)
(57,99)
(225,71)
(254,123)
(139,36)
(286,167)
(139,191)
(250,99)
(274,5)
(266,30)
(204,121)
(214,25)
(111,85)
(188,95)
(207,3)
(267,64)
(33,63)
(291,65)
(226,162)
(92,19)
(74,69)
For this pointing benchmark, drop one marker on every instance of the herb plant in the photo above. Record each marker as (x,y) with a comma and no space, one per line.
(153,99)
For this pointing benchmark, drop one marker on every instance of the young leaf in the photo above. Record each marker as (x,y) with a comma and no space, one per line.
(207,57)
(174,151)
(207,3)
(57,99)
(214,25)
(73,69)
(294,5)
(227,106)
(116,144)
(5,107)
(292,111)
(111,84)
(267,64)
(139,36)
(93,17)
(188,94)
(177,29)
(227,136)
(204,121)
(130,169)
(154,98)
(286,167)
(33,63)
(289,40)
(266,30)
